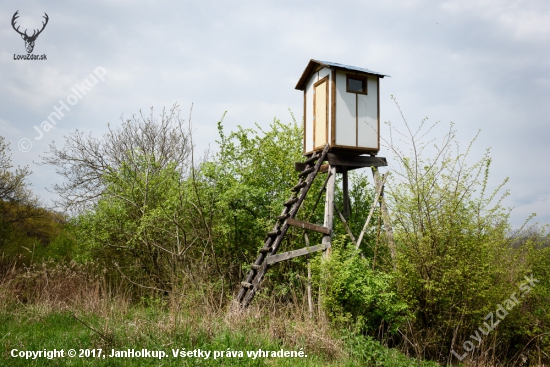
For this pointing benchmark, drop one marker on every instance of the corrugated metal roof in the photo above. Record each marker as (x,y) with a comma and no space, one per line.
(349,67)
(312,64)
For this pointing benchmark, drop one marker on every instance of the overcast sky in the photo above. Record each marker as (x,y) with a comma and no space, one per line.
(482,64)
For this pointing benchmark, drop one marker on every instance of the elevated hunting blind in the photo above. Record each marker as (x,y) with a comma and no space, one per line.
(341,107)
(341,122)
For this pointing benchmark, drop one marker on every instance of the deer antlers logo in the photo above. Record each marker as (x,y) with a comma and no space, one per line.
(29,40)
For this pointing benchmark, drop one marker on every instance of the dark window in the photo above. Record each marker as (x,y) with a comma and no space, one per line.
(356,84)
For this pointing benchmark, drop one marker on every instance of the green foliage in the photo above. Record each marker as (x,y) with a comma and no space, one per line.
(150,328)
(455,261)
(369,352)
(247,182)
(160,219)
(528,325)
(361,195)
(253,173)
(356,296)
(14,187)
(29,233)
(136,226)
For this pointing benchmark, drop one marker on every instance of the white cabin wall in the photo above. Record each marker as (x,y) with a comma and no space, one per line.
(345,112)
(322,73)
(367,111)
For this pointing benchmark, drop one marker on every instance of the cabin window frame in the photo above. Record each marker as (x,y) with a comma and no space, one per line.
(364,78)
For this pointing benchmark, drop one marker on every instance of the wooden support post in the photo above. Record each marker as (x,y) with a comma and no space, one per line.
(345,191)
(329,210)
(379,188)
(385,214)
(345,223)
(309,296)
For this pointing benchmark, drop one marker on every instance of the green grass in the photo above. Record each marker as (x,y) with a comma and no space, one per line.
(65,307)
(34,328)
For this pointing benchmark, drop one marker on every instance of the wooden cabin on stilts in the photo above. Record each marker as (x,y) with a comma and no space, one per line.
(342,128)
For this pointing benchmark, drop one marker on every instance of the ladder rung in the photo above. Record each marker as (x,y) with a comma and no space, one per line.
(255,267)
(282,217)
(306,172)
(299,186)
(312,159)
(273,233)
(305,225)
(265,250)
(291,201)
(246,285)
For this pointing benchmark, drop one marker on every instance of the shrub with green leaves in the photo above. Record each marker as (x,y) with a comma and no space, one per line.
(246,183)
(455,260)
(354,295)
(367,351)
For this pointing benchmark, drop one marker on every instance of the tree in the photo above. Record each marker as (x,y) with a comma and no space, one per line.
(135,200)
(23,222)
(14,188)
(147,209)
(85,162)
(250,178)
(454,258)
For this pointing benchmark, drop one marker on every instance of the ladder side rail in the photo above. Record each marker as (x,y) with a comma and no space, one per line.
(249,292)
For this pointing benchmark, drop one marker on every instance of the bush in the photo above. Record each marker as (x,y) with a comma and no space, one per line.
(355,296)
(369,352)
(455,260)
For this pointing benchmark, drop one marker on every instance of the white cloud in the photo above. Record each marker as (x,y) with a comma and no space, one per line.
(526,21)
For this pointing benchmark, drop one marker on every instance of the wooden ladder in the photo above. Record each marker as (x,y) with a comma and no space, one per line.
(274,238)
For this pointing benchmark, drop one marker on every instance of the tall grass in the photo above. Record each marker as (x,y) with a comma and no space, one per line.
(72,306)
(51,306)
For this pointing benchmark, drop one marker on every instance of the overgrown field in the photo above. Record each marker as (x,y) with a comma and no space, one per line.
(153,240)
(63,307)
